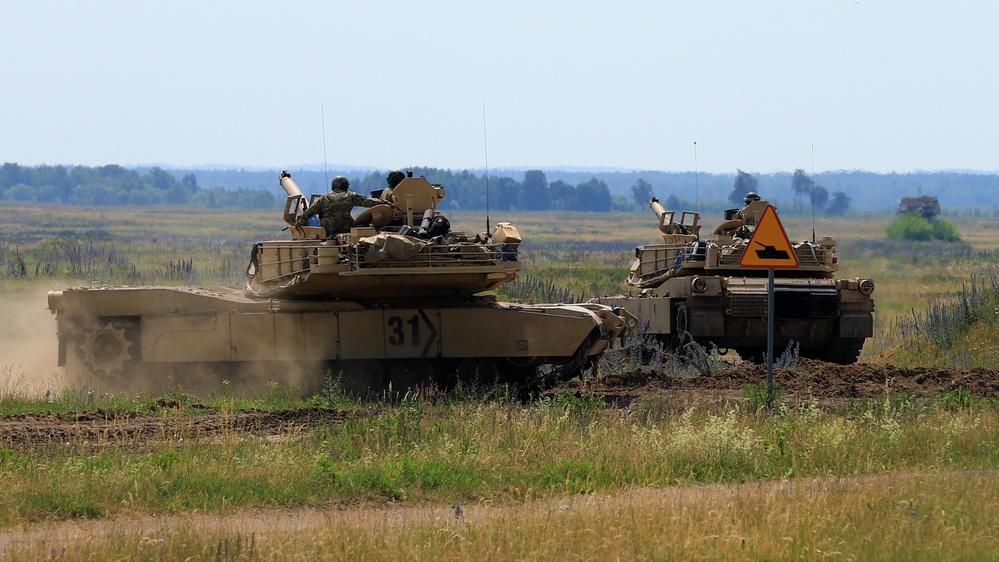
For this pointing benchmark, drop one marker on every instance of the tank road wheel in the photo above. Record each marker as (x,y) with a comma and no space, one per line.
(521,372)
(360,377)
(479,370)
(105,350)
(560,369)
(410,374)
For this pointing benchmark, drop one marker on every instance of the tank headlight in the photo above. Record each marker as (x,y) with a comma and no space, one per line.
(866,286)
(699,285)
(55,301)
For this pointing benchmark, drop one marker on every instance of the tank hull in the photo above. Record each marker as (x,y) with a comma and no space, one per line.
(134,336)
(827,319)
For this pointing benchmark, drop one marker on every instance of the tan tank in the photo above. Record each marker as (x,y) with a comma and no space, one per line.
(692,287)
(927,206)
(394,303)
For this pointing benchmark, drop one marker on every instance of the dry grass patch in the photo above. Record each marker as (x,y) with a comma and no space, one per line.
(918,516)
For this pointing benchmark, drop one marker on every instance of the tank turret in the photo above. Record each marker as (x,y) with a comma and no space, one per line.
(927,206)
(402,248)
(684,253)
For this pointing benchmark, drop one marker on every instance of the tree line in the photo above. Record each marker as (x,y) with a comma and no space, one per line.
(832,193)
(116,185)
(465,190)
(808,196)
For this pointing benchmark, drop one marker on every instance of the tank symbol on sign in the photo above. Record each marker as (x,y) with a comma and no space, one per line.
(771,253)
(769,234)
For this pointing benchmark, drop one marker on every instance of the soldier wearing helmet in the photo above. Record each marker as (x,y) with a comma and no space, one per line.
(393,179)
(334,207)
(751,213)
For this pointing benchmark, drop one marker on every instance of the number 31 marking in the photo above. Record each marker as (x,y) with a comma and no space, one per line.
(397,331)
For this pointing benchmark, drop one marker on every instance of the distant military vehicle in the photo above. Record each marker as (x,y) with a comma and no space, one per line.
(394,303)
(690,288)
(925,205)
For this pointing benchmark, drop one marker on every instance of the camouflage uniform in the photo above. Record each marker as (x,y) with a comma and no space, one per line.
(334,210)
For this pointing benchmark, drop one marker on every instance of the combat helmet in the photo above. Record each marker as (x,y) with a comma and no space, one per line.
(340,183)
(394,177)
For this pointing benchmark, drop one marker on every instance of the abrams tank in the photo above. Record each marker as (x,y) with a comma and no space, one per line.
(394,303)
(691,287)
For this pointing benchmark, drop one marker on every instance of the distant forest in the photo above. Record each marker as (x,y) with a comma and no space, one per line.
(836,193)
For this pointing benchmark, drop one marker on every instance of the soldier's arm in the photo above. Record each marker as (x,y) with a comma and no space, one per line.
(315,208)
(363,201)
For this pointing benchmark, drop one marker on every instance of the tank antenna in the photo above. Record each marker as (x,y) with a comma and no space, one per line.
(813,193)
(485,146)
(697,199)
(326,174)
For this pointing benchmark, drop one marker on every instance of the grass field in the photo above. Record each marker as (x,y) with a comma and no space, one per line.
(481,476)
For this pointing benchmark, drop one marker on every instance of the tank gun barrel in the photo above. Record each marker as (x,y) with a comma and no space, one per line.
(288,185)
(664,217)
(295,197)
(657,208)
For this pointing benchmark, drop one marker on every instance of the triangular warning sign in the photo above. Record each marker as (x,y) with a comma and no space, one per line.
(769,246)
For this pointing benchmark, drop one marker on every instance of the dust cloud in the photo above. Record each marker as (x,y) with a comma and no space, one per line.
(28,345)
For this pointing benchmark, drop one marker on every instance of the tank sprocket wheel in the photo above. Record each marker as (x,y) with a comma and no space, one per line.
(106,350)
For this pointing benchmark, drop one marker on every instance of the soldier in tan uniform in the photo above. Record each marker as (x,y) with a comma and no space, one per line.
(392,180)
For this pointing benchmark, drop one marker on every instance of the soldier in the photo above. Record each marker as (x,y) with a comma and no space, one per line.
(753,210)
(334,207)
(392,179)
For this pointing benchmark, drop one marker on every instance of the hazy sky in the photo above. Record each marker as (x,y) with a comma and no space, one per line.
(895,85)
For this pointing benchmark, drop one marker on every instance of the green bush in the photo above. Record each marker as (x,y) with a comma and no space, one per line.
(946,231)
(911,226)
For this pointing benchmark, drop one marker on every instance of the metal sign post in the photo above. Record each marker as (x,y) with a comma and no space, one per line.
(770,338)
(775,252)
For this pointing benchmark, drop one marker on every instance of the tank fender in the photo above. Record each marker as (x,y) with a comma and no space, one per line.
(609,324)
(55,299)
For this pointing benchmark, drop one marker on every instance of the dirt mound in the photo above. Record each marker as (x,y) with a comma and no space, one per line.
(826,382)
(102,428)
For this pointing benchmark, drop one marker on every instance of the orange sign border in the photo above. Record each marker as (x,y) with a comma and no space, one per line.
(768,221)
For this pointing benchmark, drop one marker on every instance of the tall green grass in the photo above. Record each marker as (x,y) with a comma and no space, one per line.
(954,330)
(495,451)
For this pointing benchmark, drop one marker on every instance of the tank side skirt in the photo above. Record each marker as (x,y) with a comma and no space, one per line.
(385,333)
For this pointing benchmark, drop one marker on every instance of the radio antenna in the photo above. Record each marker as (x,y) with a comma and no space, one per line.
(485,147)
(326,174)
(697,199)
(813,193)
